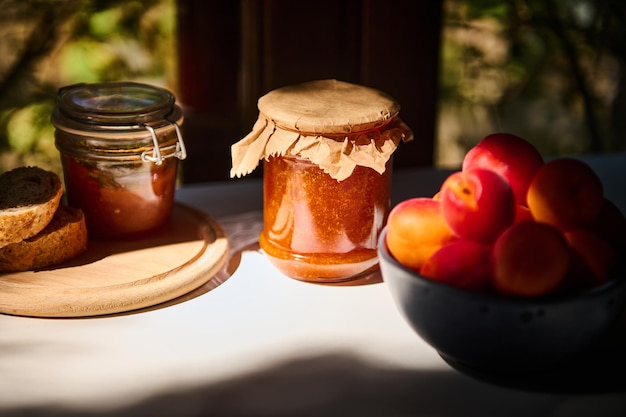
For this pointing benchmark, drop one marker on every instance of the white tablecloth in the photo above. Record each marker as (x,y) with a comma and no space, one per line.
(263,344)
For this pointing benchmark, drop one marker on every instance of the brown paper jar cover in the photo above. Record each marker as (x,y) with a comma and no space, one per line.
(335,124)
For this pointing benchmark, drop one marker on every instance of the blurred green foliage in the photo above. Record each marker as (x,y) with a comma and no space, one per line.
(552,71)
(47,44)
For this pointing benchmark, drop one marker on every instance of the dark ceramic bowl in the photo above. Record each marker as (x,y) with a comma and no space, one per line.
(502,334)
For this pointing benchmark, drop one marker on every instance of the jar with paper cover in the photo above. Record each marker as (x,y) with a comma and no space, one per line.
(327,148)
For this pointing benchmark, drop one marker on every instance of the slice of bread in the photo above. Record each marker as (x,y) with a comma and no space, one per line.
(29,197)
(62,239)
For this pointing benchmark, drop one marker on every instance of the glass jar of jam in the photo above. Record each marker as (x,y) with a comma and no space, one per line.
(120,143)
(327,148)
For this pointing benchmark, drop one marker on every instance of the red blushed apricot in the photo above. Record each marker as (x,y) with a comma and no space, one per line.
(594,258)
(529,259)
(522,214)
(565,193)
(510,156)
(415,230)
(477,204)
(610,224)
(462,263)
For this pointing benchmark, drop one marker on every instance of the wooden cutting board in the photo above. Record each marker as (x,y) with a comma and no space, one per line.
(121,276)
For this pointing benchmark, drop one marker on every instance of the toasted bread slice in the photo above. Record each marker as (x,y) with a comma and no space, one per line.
(64,238)
(29,197)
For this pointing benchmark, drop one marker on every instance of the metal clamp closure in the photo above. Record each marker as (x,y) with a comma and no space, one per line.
(157,157)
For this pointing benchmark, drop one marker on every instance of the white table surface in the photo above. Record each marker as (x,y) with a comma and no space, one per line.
(264,344)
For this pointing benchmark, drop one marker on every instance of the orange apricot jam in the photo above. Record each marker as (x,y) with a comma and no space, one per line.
(120,200)
(317,228)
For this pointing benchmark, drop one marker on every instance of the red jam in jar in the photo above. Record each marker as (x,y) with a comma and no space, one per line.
(327,148)
(120,144)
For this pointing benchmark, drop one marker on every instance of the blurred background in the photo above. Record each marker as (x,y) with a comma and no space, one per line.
(551,71)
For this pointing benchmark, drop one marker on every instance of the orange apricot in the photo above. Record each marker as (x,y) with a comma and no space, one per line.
(565,193)
(461,263)
(415,230)
(522,214)
(610,224)
(529,259)
(593,256)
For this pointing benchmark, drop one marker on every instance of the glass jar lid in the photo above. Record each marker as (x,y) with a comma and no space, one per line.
(115,103)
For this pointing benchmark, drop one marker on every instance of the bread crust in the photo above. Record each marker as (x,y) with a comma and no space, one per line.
(64,238)
(29,197)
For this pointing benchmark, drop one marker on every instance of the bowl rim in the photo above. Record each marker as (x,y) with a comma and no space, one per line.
(550,299)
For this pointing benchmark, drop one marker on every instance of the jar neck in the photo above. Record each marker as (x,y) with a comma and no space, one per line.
(144,143)
(62,122)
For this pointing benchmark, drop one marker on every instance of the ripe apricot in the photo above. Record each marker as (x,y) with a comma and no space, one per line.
(594,258)
(415,230)
(477,204)
(516,159)
(462,263)
(522,214)
(529,259)
(610,224)
(565,193)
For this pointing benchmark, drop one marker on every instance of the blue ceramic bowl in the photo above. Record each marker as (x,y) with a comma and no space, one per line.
(495,333)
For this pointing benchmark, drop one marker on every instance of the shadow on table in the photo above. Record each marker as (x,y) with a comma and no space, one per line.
(342,385)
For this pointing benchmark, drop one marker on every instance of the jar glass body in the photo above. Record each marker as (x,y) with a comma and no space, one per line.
(317,228)
(121,198)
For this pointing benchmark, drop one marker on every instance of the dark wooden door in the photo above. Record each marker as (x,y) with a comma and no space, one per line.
(231,52)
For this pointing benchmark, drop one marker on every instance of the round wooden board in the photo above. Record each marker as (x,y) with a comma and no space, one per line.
(121,276)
